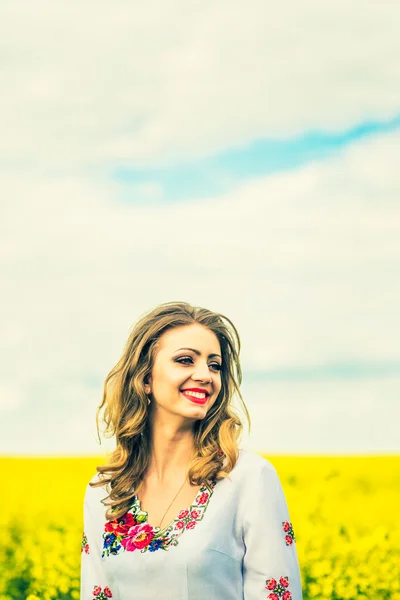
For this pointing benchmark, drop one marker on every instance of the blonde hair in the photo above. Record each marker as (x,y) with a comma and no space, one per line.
(125,406)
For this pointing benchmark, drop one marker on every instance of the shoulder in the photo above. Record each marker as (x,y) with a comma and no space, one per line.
(256,473)
(254,463)
(261,487)
(94,495)
(95,478)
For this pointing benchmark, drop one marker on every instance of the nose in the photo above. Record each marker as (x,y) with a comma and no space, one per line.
(202,373)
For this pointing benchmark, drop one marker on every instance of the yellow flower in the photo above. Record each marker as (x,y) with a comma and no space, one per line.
(343,511)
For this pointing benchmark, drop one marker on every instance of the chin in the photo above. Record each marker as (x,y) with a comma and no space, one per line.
(200,413)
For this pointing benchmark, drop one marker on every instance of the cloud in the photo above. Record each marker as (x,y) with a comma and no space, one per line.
(324,236)
(221,172)
(323,417)
(10,396)
(305,264)
(97,84)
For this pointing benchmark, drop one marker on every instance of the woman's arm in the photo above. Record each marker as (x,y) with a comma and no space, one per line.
(270,565)
(94,582)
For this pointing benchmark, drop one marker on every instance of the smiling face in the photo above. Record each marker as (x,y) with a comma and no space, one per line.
(186,378)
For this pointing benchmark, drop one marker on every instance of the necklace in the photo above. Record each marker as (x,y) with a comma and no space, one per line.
(172,502)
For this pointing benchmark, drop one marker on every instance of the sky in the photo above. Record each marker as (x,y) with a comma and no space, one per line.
(240,157)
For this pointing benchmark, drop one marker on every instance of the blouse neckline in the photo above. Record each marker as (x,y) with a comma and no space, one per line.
(132,532)
(205,487)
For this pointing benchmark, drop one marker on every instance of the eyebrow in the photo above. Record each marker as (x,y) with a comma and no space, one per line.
(197,352)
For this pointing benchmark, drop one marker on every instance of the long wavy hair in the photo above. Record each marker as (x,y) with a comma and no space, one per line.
(124,407)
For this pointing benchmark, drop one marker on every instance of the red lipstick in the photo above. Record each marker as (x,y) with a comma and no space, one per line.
(196,399)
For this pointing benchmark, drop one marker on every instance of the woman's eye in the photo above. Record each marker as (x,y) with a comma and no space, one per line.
(216,366)
(181,360)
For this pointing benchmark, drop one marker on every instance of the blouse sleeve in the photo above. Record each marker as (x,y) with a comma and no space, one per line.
(270,564)
(95,584)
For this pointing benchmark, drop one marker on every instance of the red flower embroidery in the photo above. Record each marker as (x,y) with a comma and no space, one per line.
(183,514)
(203,498)
(102,595)
(84,544)
(279,590)
(120,526)
(271,583)
(132,531)
(138,537)
(288,529)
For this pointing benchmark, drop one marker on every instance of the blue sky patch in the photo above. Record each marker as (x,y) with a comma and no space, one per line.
(219,173)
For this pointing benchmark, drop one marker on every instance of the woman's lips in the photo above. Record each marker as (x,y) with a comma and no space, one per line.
(194,399)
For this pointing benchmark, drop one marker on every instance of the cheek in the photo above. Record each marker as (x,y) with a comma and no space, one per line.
(168,377)
(175,380)
(217,386)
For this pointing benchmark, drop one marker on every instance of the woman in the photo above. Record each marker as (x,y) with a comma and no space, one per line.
(191,516)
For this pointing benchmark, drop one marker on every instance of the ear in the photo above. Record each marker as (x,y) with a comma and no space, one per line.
(147,386)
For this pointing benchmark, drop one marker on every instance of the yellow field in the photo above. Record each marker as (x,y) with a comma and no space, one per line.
(345,515)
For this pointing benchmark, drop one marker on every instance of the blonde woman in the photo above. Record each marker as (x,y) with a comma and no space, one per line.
(191,516)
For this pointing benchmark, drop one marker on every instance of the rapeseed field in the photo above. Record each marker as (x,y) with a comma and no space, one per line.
(344,512)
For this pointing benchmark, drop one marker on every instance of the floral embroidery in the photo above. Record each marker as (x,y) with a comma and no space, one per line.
(132,532)
(278,590)
(288,529)
(84,544)
(101,595)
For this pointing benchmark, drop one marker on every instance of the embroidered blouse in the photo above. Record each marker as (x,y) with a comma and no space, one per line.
(235,542)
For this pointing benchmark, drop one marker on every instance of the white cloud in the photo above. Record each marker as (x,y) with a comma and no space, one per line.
(305,263)
(352,417)
(92,83)
(10,396)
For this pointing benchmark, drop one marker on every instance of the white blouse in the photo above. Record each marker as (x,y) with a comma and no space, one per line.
(235,542)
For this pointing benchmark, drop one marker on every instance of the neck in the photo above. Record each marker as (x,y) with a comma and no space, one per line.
(171,452)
